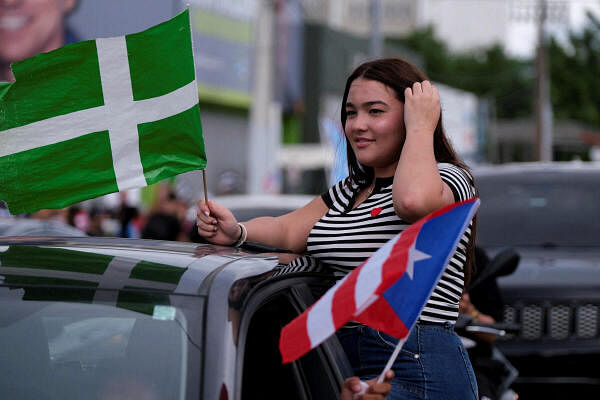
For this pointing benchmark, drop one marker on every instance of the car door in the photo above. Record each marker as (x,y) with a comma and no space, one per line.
(317,375)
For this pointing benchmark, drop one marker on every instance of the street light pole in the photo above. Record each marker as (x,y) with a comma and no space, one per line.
(541,12)
(376,39)
(261,127)
(543,134)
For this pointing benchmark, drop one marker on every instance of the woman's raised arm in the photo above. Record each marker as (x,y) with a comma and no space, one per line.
(418,188)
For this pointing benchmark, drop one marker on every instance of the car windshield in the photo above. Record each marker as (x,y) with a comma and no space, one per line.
(132,348)
(541,209)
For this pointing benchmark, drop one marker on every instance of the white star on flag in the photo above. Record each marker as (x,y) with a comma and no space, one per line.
(414,255)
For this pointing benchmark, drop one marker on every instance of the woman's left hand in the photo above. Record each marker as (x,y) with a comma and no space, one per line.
(375,391)
(421,108)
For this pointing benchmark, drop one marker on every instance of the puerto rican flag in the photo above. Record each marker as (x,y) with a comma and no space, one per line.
(388,291)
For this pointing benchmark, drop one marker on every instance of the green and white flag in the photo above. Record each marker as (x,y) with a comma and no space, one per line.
(100,116)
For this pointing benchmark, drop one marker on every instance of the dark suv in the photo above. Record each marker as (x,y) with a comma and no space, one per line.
(549,213)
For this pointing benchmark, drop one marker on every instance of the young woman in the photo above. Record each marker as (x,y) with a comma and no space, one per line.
(401,168)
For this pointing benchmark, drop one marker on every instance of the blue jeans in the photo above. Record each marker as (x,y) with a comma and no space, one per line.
(432,365)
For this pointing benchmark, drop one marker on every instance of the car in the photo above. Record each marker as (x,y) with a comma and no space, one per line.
(245,207)
(89,317)
(549,213)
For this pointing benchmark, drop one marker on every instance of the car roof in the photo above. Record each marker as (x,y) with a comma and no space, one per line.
(118,263)
(245,207)
(293,201)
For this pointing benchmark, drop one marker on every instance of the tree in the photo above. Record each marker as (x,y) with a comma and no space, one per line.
(488,73)
(575,75)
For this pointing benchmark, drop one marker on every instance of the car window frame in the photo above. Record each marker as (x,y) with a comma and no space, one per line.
(297,290)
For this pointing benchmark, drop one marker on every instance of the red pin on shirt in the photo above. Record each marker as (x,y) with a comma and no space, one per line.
(375,212)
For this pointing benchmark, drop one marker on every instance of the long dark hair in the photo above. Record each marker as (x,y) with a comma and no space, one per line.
(399,74)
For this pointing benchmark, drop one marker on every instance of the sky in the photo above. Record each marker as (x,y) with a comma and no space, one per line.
(522,37)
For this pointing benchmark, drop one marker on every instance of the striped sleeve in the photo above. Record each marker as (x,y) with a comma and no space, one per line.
(459,181)
(299,264)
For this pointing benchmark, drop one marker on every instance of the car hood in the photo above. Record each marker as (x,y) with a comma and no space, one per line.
(556,267)
(117,264)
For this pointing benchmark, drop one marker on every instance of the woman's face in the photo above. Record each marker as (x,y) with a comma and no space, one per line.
(375,125)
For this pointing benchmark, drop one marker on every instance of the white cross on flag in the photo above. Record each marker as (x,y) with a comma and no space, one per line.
(100,116)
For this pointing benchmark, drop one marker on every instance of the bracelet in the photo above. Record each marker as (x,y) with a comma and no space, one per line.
(243,236)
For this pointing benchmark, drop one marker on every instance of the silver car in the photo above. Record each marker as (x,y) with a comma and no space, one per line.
(104,318)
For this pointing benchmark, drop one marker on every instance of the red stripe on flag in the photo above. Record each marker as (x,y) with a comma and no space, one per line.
(294,340)
(395,265)
(343,305)
(382,317)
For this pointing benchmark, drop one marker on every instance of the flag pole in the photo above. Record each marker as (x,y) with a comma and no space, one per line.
(393,357)
(187,6)
(205,191)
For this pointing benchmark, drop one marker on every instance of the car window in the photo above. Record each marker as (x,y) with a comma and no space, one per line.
(69,349)
(310,377)
(539,210)
(264,377)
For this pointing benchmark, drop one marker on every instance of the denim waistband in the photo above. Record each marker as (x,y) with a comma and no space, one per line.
(355,324)
(432,323)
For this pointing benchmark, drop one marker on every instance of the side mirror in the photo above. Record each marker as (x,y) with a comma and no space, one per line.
(504,263)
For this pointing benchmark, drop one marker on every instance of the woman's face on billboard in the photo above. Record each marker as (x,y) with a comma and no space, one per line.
(28,27)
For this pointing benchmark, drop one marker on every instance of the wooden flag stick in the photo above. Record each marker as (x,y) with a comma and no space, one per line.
(393,357)
(205,191)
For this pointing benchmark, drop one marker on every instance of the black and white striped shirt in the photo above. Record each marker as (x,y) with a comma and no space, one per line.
(345,237)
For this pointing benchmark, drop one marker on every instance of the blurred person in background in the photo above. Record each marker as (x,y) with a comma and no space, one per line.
(161,226)
(131,221)
(173,205)
(29,27)
(167,219)
(3,209)
(78,217)
(96,219)
(50,214)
